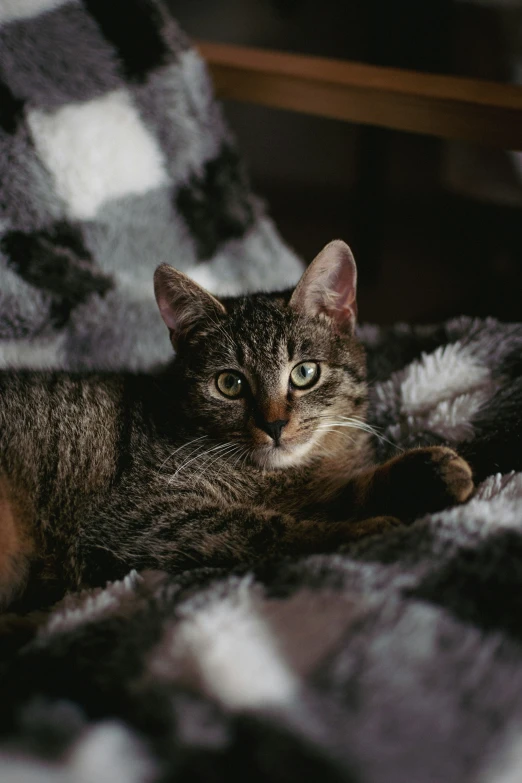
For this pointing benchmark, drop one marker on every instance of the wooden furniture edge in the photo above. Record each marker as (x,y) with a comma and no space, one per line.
(444,106)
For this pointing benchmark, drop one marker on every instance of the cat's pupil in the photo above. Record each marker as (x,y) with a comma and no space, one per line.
(305,374)
(229,384)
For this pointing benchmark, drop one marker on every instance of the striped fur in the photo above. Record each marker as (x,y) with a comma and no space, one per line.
(102,473)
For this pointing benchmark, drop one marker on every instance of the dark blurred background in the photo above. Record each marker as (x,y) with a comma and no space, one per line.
(435,226)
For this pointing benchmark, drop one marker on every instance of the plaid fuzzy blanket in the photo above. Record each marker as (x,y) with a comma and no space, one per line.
(114,157)
(396,659)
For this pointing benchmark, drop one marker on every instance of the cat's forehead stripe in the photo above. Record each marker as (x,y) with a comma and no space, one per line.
(266,339)
(240,354)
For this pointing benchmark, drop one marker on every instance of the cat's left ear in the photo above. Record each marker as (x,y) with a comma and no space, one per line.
(329,286)
(182,302)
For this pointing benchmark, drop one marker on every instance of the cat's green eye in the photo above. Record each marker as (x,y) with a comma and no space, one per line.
(230,384)
(304,375)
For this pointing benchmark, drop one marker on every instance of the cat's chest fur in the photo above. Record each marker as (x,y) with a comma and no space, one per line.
(195,466)
(229,480)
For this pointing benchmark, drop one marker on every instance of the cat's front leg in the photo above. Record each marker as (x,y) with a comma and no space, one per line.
(206,535)
(417,482)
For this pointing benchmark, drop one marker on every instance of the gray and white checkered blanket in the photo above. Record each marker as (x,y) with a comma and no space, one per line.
(114,157)
(399,659)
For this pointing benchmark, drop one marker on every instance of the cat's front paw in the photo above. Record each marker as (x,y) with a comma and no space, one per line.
(455,475)
(426,480)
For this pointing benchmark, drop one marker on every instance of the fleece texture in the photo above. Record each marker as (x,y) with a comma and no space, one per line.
(114,158)
(399,658)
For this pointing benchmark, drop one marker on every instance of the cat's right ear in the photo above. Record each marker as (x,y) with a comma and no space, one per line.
(182,302)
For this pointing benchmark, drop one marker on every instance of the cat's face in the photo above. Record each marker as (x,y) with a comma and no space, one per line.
(271,381)
(269,376)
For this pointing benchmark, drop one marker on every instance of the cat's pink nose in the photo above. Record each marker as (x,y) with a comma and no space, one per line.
(274,429)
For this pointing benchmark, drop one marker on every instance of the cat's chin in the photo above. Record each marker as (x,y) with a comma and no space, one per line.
(281,457)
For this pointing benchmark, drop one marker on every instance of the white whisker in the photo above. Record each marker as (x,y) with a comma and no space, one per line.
(184,446)
(248,454)
(241,452)
(222,458)
(358,424)
(187,462)
(334,427)
(217,452)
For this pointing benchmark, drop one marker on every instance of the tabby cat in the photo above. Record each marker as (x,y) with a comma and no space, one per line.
(252,444)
